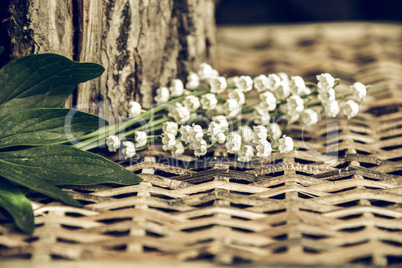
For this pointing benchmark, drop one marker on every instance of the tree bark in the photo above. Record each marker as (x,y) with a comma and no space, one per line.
(143,44)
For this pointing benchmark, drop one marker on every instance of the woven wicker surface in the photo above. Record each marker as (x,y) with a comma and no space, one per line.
(338,200)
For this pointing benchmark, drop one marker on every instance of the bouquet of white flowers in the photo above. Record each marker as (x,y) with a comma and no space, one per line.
(244,115)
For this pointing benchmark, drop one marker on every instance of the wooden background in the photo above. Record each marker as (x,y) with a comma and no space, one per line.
(142,44)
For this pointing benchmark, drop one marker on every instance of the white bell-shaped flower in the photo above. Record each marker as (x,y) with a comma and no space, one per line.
(268,100)
(237,95)
(135,109)
(168,141)
(308,117)
(260,134)
(113,143)
(162,95)
(177,150)
(261,115)
(128,150)
(193,81)
(222,121)
(177,88)
(246,134)
(274,130)
(218,84)
(298,86)
(141,138)
(209,101)
(233,143)
(185,133)
(196,133)
(170,127)
(200,147)
(264,149)
(350,108)
(325,81)
(246,153)
(179,113)
(273,82)
(231,108)
(192,103)
(332,109)
(245,83)
(286,144)
(359,90)
(261,83)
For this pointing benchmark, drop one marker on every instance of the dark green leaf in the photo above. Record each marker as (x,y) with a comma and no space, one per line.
(61,165)
(41,81)
(17,205)
(1,49)
(46,126)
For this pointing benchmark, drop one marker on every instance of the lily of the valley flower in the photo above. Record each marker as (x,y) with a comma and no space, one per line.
(325,81)
(264,149)
(209,101)
(359,90)
(309,117)
(178,149)
(332,109)
(179,113)
(135,109)
(185,133)
(193,81)
(260,134)
(232,81)
(206,72)
(246,153)
(295,104)
(274,82)
(268,100)
(170,127)
(177,88)
(274,130)
(222,121)
(196,133)
(128,150)
(261,83)
(298,86)
(113,143)
(216,132)
(350,108)
(192,103)
(218,84)
(245,83)
(200,147)
(286,144)
(233,143)
(162,95)
(168,141)
(231,108)
(140,138)
(326,95)
(282,91)
(246,134)
(237,95)
(261,115)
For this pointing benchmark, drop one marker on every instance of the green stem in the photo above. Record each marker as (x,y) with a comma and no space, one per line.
(338,82)
(150,137)
(209,146)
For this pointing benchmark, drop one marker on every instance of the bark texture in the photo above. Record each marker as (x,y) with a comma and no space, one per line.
(142,44)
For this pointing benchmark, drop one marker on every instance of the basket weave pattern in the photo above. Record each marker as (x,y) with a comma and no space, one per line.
(337,200)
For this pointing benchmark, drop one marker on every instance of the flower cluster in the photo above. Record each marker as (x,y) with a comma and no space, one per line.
(209,110)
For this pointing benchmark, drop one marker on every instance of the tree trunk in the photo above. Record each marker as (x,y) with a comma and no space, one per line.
(142,44)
